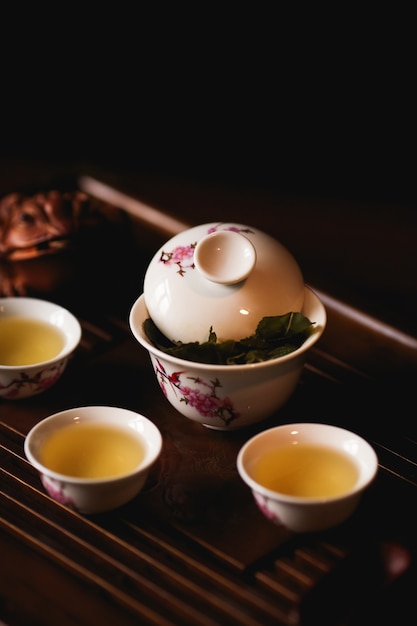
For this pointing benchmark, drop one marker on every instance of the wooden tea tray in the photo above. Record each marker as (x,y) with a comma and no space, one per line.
(192,548)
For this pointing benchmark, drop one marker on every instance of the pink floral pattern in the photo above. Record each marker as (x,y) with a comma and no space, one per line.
(263,505)
(24,385)
(203,397)
(56,491)
(183,256)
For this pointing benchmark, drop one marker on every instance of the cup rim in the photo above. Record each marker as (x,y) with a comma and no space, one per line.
(72,339)
(153,451)
(136,320)
(361,484)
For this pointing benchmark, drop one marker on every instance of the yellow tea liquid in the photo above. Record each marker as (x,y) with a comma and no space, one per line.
(24,341)
(89,450)
(306,470)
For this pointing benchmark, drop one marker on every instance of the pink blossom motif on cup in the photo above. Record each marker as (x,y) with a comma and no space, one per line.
(41,381)
(183,256)
(55,490)
(203,396)
(262,502)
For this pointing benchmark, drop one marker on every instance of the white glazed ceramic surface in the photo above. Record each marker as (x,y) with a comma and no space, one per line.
(220,275)
(95,495)
(227,397)
(23,381)
(308,514)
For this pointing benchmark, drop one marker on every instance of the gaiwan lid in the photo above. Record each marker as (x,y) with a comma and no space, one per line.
(220,276)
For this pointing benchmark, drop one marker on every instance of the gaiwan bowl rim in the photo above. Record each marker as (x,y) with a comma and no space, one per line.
(272,494)
(136,326)
(71,342)
(76,480)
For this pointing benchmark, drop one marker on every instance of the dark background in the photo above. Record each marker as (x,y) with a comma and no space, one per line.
(306,104)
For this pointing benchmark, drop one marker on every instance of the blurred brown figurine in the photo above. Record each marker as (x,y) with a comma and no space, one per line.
(72,226)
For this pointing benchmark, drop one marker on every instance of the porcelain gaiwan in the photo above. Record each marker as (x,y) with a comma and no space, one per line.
(221,276)
(213,285)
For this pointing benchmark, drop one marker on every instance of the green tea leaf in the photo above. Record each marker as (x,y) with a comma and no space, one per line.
(275,336)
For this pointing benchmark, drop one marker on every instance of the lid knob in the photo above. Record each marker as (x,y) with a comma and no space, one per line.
(225,257)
